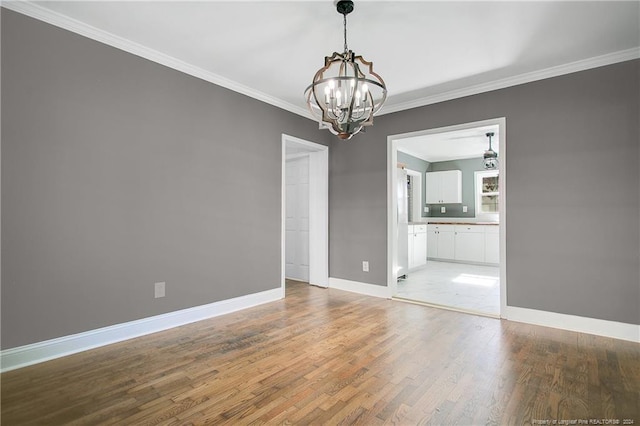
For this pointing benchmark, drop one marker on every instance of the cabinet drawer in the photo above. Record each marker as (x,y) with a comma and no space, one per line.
(441,228)
(470,228)
(419,228)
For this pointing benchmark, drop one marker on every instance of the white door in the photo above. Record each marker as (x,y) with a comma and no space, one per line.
(297,219)
(492,245)
(469,244)
(420,248)
(451,186)
(433,187)
(446,244)
(432,243)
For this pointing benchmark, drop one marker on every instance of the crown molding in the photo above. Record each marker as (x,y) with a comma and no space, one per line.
(26,7)
(571,67)
(46,15)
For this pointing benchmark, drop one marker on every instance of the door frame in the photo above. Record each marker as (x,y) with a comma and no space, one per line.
(318,208)
(392,200)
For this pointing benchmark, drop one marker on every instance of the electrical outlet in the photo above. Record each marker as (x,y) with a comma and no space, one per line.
(365,266)
(465,209)
(443,209)
(426,209)
(158,289)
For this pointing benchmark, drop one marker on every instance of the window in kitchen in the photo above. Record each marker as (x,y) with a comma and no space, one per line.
(487,194)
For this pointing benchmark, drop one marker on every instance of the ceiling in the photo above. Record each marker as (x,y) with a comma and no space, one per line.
(452,145)
(426,51)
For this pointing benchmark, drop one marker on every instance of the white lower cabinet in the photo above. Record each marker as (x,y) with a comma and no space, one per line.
(492,244)
(464,243)
(420,245)
(417,245)
(469,243)
(441,241)
(432,242)
(410,243)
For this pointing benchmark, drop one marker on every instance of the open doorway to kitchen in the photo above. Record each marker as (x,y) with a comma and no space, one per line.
(460,219)
(305,212)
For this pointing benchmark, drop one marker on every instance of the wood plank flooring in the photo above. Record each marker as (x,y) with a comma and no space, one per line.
(331,357)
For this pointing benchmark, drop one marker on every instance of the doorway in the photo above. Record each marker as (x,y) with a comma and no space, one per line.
(297,217)
(471,261)
(305,212)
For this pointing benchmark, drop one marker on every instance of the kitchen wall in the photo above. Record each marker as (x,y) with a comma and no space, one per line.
(118,173)
(572,190)
(418,165)
(468,167)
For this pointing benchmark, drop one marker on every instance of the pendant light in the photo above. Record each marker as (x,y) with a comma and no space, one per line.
(490,158)
(345,92)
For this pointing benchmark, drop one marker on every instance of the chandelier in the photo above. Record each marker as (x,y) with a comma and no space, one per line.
(490,158)
(345,92)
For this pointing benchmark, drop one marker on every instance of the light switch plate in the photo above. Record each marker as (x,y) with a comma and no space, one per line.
(443,209)
(465,209)
(426,209)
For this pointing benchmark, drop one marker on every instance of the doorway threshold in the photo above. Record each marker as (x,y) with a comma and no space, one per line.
(446,307)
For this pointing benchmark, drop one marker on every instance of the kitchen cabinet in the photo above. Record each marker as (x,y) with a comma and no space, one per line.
(469,243)
(443,187)
(492,244)
(464,243)
(441,242)
(417,245)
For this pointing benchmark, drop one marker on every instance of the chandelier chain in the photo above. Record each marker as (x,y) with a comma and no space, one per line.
(345,32)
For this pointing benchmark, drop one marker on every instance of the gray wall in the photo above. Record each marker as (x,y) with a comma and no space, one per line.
(572,190)
(117,173)
(468,167)
(418,165)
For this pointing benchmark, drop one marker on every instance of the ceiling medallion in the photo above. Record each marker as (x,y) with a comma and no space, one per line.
(345,93)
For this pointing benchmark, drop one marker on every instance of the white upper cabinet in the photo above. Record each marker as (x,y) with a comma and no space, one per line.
(444,187)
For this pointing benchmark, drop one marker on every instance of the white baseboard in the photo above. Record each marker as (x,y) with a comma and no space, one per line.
(361,288)
(599,327)
(34,353)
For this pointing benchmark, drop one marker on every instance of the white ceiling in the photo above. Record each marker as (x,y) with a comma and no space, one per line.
(452,145)
(426,51)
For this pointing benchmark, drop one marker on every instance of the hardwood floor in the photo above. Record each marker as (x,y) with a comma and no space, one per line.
(331,357)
